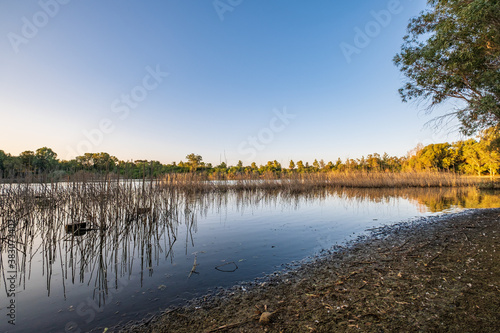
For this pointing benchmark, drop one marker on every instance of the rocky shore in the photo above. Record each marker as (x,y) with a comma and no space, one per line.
(436,274)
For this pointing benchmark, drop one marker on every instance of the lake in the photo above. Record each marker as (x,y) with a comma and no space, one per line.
(145,249)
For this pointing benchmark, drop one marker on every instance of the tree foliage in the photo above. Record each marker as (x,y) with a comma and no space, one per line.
(452,51)
(45,159)
(194,161)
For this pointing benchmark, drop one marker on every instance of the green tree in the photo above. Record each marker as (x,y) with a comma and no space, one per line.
(194,161)
(300,166)
(490,149)
(474,157)
(3,158)
(234,170)
(339,165)
(27,159)
(45,159)
(69,166)
(491,161)
(13,166)
(104,161)
(85,160)
(374,161)
(432,157)
(291,166)
(316,165)
(452,51)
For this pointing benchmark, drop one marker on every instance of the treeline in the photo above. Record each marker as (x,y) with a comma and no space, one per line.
(477,157)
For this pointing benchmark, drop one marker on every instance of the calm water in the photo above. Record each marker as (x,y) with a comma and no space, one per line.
(142,263)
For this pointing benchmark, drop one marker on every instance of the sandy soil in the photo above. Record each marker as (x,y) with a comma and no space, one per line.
(439,274)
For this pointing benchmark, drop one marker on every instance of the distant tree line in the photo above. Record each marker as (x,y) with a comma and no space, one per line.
(476,157)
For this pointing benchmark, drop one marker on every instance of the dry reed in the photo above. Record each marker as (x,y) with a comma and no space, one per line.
(198,183)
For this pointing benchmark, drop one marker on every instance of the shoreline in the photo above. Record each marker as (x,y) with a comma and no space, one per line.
(438,273)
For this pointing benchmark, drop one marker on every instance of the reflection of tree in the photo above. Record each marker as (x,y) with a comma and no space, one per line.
(472,198)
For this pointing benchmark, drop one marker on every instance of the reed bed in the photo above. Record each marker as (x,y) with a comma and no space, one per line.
(91,231)
(198,183)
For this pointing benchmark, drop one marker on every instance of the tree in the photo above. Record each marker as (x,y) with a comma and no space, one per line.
(434,157)
(474,157)
(490,149)
(374,161)
(85,160)
(13,166)
(491,161)
(300,166)
(45,159)
(316,165)
(104,161)
(3,157)
(339,165)
(27,159)
(222,166)
(194,161)
(452,52)
(322,164)
(291,166)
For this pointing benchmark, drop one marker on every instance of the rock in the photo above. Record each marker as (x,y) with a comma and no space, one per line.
(265,317)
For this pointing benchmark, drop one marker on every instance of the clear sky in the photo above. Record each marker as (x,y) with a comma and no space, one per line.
(249,80)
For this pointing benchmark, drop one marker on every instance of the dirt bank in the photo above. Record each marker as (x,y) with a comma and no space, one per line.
(437,274)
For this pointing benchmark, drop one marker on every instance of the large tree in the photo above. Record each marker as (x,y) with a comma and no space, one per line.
(45,159)
(452,51)
(27,159)
(194,161)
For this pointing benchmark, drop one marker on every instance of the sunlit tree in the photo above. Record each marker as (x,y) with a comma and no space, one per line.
(194,161)
(452,52)
(300,166)
(316,165)
(474,157)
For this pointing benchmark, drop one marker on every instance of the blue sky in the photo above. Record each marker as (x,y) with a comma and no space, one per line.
(226,79)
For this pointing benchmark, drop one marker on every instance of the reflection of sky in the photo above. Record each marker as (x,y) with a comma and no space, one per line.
(259,238)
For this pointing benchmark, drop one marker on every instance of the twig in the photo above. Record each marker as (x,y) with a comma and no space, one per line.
(228,326)
(433,258)
(225,264)
(400,246)
(193,270)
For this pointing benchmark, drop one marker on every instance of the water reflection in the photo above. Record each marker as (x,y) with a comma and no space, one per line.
(95,234)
